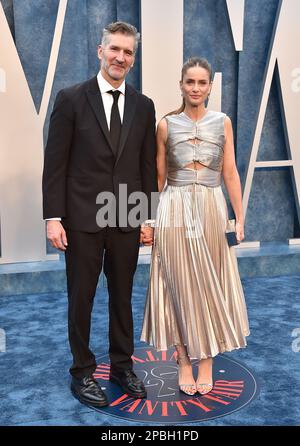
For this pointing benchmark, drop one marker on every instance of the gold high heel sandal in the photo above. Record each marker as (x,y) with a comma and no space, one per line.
(193,390)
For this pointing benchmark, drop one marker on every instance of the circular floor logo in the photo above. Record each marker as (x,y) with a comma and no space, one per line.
(234,387)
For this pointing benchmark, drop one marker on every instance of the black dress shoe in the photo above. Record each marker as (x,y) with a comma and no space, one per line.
(88,391)
(129,382)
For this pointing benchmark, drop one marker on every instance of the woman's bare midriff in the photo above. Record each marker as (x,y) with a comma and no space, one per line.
(195,165)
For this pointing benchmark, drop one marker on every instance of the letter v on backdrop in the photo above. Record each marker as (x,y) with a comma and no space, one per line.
(21,151)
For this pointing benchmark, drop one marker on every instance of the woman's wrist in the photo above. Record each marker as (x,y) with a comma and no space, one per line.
(239,219)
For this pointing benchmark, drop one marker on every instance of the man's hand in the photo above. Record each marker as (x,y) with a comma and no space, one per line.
(57,235)
(146,236)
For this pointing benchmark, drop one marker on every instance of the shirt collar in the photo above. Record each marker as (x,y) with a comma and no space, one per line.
(105,86)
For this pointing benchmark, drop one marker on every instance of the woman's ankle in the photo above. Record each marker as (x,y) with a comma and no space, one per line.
(182,355)
(207,362)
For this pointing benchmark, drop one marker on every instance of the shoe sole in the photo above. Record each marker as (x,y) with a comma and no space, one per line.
(88,402)
(115,380)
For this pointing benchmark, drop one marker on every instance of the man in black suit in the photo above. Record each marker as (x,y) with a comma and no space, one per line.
(101,135)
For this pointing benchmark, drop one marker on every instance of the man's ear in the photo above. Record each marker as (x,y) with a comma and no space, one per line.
(133,61)
(100,51)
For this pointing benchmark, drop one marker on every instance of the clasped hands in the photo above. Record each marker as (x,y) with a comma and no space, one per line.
(146,235)
(58,239)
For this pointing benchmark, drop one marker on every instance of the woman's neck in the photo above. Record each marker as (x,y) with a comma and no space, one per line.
(195,113)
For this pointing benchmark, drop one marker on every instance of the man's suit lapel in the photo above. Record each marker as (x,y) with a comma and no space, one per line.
(95,100)
(129,112)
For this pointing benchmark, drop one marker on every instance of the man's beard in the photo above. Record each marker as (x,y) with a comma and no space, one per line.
(115,77)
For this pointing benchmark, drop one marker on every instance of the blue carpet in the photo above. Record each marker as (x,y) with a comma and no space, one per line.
(34,386)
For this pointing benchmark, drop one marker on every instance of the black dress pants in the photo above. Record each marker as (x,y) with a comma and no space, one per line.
(85,255)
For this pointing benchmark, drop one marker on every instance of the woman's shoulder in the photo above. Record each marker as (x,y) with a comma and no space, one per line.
(173,117)
(162,128)
(163,124)
(217,114)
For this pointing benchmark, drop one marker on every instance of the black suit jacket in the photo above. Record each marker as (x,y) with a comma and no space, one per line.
(79,159)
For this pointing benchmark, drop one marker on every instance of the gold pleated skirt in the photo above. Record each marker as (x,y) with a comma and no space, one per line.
(195,297)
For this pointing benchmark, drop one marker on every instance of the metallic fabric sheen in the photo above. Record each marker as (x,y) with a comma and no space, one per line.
(195,297)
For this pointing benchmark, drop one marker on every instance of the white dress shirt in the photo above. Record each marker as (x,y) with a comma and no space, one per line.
(108,100)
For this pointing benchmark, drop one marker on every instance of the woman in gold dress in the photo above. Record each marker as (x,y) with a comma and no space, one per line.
(195,299)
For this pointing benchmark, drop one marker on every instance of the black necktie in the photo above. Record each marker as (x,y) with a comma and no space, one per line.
(115,121)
